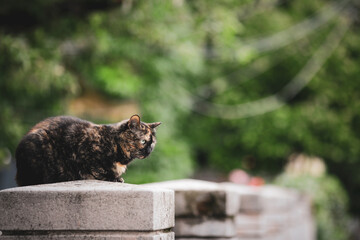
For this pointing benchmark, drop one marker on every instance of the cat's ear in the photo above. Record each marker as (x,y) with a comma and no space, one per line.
(154,125)
(134,122)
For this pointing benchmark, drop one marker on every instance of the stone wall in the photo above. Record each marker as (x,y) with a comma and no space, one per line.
(86,209)
(230,211)
(191,209)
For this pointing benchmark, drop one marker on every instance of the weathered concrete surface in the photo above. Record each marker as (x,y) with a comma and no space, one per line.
(86,205)
(271,212)
(208,210)
(212,238)
(265,198)
(210,227)
(195,198)
(203,209)
(157,235)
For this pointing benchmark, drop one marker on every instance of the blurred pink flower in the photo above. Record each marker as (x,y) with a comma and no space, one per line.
(239,176)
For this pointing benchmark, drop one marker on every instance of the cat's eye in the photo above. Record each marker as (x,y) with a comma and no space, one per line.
(143,141)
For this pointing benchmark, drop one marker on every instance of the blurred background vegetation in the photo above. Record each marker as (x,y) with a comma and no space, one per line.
(237,84)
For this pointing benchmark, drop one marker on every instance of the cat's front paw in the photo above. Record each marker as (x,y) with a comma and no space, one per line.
(120,180)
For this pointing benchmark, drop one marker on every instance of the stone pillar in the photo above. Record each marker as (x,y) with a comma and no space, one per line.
(86,209)
(203,209)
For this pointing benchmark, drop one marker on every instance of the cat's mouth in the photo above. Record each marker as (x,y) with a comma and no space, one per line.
(145,155)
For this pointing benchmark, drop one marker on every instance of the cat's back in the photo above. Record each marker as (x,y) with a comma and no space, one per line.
(52,133)
(41,153)
(58,125)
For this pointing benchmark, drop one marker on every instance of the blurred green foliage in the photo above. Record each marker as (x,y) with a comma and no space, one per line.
(171,56)
(329,203)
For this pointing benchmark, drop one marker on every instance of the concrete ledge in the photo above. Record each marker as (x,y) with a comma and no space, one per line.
(208,210)
(271,212)
(195,198)
(89,206)
(209,228)
(203,209)
(212,238)
(113,235)
(265,198)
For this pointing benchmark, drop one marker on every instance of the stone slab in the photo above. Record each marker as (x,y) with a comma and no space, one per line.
(94,235)
(194,198)
(211,227)
(265,198)
(211,238)
(86,205)
(276,198)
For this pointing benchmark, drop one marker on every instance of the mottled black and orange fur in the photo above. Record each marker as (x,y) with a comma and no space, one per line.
(66,148)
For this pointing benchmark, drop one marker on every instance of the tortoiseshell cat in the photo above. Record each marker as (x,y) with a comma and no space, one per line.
(66,148)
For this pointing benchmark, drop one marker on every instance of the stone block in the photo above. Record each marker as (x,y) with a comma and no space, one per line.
(211,227)
(195,198)
(276,198)
(271,212)
(86,206)
(156,235)
(265,198)
(212,238)
(262,225)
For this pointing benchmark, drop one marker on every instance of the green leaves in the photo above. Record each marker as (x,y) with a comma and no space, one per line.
(117,80)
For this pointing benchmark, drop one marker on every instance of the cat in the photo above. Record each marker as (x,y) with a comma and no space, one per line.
(66,148)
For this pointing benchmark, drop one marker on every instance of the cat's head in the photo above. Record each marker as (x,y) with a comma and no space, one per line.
(138,138)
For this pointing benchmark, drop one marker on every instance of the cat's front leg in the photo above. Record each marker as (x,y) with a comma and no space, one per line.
(120,180)
(119,169)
